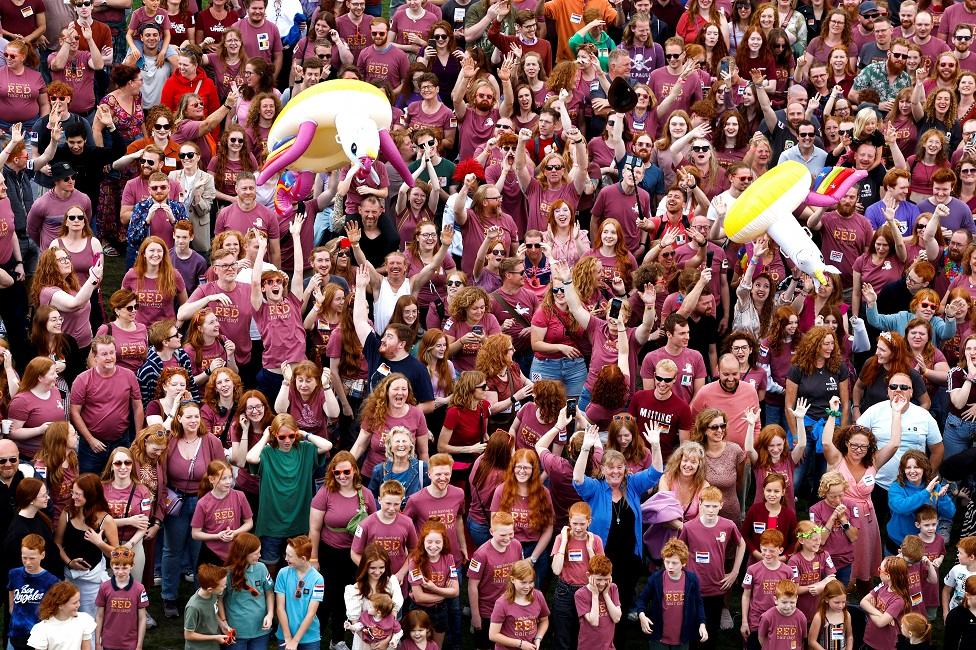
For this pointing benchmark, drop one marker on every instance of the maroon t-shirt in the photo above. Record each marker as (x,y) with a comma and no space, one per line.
(473,233)
(397,539)
(423,505)
(356,36)
(843,240)
(130,347)
(106,402)
(338,511)
(779,632)
(761,583)
(262,42)
(476,129)
(120,622)
(390,65)
(235,318)
(153,305)
(612,202)
(708,549)
(671,415)
(600,636)
(259,217)
(35,411)
(604,351)
(282,331)
(128,502)
(521,510)
(519,621)
(414,421)
(465,358)
(807,572)
(691,366)
(213,515)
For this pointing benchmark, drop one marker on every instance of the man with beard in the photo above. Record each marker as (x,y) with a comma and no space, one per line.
(653,179)
(137,189)
(930,46)
(906,20)
(730,395)
(388,354)
(887,77)
(261,37)
(378,232)
(862,33)
(353,28)
(478,118)
(661,407)
(513,305)
(11,475)
(962,40)
(869,188)
(673,220)
(951,266)
(382,61)
(958,13)
(503,169)
(698,306)
(693,254)
(620,201)
(897,296)
(844,235)
(155,215)
(485,211)
(47,214)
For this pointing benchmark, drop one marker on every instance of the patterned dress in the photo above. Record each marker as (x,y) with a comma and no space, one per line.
(867,551)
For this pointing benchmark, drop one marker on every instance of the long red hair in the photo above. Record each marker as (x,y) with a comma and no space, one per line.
(540,508)
(419,555)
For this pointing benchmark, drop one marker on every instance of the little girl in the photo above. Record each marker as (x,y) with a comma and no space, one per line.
(377,626)
(832,513)
(769,514)
(830,627)
(771,454)
(249,597)
(222,513)
(521,615)
(433,576)
(419,632)
(812,565)
(916,632)
(885,604)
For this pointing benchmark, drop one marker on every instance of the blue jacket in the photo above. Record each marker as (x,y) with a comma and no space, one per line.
(942,329)
(599,496)
(905,500)
(651,599)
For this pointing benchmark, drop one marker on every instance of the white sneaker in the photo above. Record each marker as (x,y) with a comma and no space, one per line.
(341,645)
(726,623)
(150,621)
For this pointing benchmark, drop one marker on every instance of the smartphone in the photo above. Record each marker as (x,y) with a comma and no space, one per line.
(432,43)
(724,66)
(571,415)
(614,311)
(478,329)
(709,256)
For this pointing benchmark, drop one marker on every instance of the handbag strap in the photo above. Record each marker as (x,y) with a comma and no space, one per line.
(129,500)
(507,307)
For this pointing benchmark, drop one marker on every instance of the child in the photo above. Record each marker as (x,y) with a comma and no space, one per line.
(831,513)
(433,575)
(831,627)
(571,554)
(122,602)
(812,567)
(961,621)
(916,632)
(388,528)
(927,520)
(201,627)
(418,632)
(377,627)
(709,538)
(249,598)
(488,572)
(598,606)
(222,513)
(955,580)
(63,626)
(26,586)
(149,13)
(668,592)
(759,584)
(920,571)
(885,605)
(772,455)
(769,514)
(521,616)
(299,589)
(784,627)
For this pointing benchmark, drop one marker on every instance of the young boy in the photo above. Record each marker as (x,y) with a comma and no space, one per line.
(598,605)
(920,571)
(955,580)
(709,538)
(575,546)
(488,572)
(662,604)
(299,590)
(388,528)
(759,585)
(927,520)
(783,627)
(122,602)
(201,627)
(26,586)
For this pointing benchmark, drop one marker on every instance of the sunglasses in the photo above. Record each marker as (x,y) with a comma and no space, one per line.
(299,588)
(440,37)
(69,179)
(8,461)
(553,168)
(455,283)
(83,4)
(56,98)
(10,55)
(429,143)
(162,127)
(504,127)
(287,436)
(158,188)
(342,472)
(702,148)
(847,132)
(806,135)
(131,307)
(717,427)
(498,253)
(556,290)
(74,217)
(235,140)
(672,57)
(899,387)
(533,245)
(663,380)
(963,38)
(378,33)
(971,170)
(186,155)
(871,16)
(928,305)
(121,463)
(324,57)
(899,57)
(778,46)
(482,386)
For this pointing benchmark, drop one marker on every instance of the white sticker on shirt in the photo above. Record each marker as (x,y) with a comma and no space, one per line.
(576,556)
(27,11)
(758,527)
(264,41)
(576,19)
(702,557)
(359,531)
(474,566)
(836,256)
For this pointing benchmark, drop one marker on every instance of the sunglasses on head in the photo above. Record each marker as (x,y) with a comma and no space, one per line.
(87,3)
(623,417)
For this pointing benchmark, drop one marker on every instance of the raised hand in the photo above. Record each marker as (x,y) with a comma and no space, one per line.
(800,409)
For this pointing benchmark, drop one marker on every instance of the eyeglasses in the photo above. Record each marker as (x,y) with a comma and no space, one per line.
(287,436)
(225,266)
(121,463)
(672,57)
(55,98)
(131,307)
(162,127)
(806,135)
(857,446)
(254,407)
(8,461)
(899,387)
(701,148)
(172,336)
(440,37)
(74,217)
(145,162)
(427,235)
(186,155)
(898,56)
(299,589)
(235,140)
(928,305)
(342,472)
(455,283)
(663,380)
(554,168)
(718,427)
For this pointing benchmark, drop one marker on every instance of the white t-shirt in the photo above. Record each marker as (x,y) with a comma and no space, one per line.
(956,579)
(52,634)
(919,430)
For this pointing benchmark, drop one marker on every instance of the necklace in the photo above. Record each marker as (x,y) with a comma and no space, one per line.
(617,507)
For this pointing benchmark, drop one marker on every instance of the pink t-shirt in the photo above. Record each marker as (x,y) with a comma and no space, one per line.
(263,41)
(441,120)
(673,607)
(390,65)
(887,602)
(576,562)
(837,545)
(137,189)
(879,275)
(184,474)
(530,429)
(473,233)
(235,318)
(691,366)
(120,623)
(153,305)
(414,421)
(213,515)
(201,363)
(106,402)
(465,358)
(934,549)
(476,129)
(281,330)
(403,25)
(130,347)
(338,511)
(555,324)
(80,78)
(76,323)
(519,621)
(35,411)
(396,539)
(843,240)
(259,217)
(806,572)
(356,36)
(612,202)
(915,582)
(784,466)
(441,573)
(47,215)
(522,512)
(128,502)
(423,505)
(539,199)
(708,549)
(761,582)
(141,17)
(19,103)
(600,636)
(7,231)
(604,351)
(778,632)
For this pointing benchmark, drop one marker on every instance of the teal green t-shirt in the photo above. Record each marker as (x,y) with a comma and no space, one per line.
(286,489)
(246,611)
(200,616)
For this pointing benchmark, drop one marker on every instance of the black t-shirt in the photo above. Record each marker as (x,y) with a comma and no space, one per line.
(894,298)
(702,334)
(415,372)
(818,387)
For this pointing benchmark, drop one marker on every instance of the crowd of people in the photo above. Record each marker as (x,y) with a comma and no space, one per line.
(533,396)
